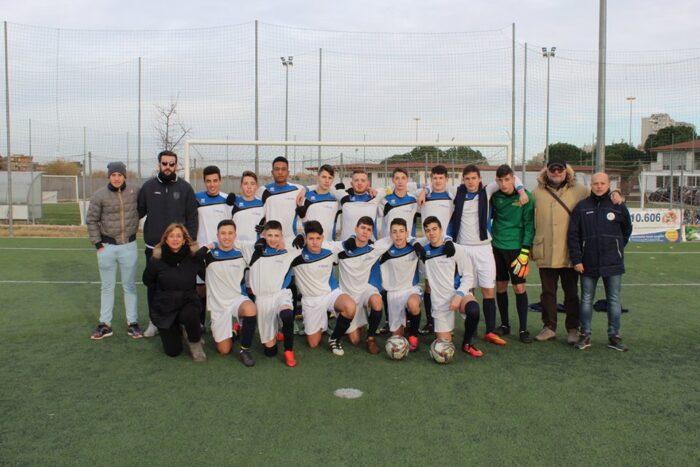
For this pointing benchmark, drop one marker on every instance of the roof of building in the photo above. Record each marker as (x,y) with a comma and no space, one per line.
(694,144)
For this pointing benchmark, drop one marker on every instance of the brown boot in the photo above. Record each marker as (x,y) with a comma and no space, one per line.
(372,346)
(545,334)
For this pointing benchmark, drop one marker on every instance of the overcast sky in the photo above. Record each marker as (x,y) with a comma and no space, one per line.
(567,24)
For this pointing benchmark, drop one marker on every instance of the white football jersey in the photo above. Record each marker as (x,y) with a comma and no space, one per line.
(399,268)
(447,276)
(269,268)
(359,267)
(224,277)
(280,203)
(211,210)
(246,215)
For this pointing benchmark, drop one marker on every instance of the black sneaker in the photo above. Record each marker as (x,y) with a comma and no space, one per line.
(427,329)
(101,331)
(525,337)
(336,347)
(134,331)
(246,357)
(503,330)
(584,342)
(615,343)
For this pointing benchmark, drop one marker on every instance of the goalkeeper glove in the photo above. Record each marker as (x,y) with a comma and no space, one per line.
(521,264)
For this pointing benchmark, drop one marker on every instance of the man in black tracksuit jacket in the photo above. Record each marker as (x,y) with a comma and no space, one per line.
(165,199)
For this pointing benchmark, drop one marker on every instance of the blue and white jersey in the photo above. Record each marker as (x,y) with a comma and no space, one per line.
(280,203)
(313,272)
(211,210)
(359,267)
(269,268)
(246,215)
(447,276)
(399,267)
(438,204)
(224,277)
(322,208)
(353,206)
(394,206)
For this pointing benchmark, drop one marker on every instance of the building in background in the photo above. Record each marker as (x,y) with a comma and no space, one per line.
(652,124)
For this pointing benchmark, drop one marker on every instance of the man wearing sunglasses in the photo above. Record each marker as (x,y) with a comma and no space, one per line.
(556,195)
(165,199)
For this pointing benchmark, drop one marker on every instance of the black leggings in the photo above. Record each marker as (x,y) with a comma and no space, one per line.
(171,337)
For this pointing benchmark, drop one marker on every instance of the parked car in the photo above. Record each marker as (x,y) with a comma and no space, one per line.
(659,195)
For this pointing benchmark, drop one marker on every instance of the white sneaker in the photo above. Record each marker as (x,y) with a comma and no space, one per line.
(336,347)
(151,330)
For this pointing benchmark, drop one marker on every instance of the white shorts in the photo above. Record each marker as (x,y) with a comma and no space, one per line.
(396,304)
(362,302)
(313,310)
(484,265)
(221,320)
(268,308)
(443,319)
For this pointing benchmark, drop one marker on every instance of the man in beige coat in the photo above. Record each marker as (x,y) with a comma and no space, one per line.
(557,187)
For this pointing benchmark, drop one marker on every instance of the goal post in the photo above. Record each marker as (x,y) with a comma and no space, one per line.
(343,155)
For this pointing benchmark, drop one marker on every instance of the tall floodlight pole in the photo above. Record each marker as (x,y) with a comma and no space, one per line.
(10,218)
(138,131)
(417,119)
(630,99)
(548,54)
(602,47)
(524,112)
(257,123)
(287,64)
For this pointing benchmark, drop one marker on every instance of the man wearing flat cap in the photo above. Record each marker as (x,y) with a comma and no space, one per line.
(555,197)
(112,221)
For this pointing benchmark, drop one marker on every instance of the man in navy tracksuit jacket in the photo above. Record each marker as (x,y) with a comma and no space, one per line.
(598,233)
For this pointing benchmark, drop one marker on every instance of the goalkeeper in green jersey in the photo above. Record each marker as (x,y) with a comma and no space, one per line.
(513,228)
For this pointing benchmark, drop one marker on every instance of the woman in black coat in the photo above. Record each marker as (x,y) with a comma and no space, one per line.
(172,270)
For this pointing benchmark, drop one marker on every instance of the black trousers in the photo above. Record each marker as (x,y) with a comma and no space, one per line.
(569,282)
(171,337)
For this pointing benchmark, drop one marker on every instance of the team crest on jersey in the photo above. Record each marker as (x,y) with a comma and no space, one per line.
(611,216)
(176,195)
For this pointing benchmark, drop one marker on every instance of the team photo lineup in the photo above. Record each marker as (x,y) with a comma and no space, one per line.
(286,259)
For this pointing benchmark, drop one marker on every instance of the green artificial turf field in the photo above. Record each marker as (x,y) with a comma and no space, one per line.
(67,400)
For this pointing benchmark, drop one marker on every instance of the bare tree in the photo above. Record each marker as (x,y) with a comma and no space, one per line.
(170,128)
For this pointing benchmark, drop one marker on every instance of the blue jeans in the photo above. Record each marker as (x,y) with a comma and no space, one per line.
(612,284)
(126,257)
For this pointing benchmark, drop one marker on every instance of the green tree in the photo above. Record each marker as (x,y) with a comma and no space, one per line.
(461,155)
(623,152)
(571,154)
(669,135)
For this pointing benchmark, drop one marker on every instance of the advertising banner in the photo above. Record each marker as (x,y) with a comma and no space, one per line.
(656,225)
(692,225)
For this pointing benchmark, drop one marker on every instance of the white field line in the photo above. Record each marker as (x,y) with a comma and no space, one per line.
(684,284)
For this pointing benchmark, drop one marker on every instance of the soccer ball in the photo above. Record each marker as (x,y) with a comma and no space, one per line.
(442,351)
(396,347)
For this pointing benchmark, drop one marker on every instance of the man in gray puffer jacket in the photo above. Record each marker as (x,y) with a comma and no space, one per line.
(112,221)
